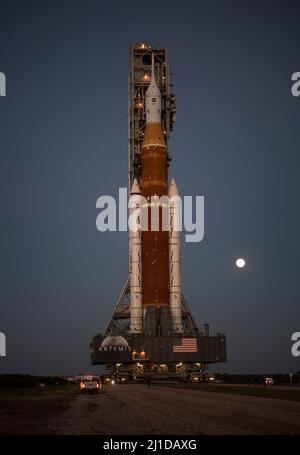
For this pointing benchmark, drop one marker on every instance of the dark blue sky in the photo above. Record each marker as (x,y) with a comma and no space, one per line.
(63,143)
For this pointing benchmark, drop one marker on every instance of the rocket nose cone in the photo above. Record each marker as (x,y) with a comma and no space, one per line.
(153,89)
(173,190)
(135,189)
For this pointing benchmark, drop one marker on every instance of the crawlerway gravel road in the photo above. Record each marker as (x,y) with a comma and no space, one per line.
(135,409)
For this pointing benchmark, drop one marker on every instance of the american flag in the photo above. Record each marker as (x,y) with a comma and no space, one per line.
(185,345)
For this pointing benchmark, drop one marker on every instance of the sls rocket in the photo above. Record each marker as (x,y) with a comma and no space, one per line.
(155,289)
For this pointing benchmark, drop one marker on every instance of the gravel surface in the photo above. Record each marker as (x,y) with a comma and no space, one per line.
(135,409)
(28,412)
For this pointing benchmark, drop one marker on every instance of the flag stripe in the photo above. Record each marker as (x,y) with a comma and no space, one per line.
(187,345)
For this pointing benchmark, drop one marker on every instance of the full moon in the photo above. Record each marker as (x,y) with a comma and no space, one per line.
(240,263)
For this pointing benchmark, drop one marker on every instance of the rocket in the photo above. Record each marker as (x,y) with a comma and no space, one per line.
(155,289)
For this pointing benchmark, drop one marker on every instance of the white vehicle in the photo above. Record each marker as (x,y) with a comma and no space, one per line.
(90,384)
(268,381)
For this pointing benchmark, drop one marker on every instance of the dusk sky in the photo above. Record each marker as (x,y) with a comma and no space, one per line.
(63,143)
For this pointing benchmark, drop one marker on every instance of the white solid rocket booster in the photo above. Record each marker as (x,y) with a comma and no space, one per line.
(174,257)
(135,258)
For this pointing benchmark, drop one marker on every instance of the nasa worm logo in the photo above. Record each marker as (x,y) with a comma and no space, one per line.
(2,84)
(2,345)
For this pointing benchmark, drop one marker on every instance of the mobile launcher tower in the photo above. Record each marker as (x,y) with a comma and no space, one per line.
(152,331)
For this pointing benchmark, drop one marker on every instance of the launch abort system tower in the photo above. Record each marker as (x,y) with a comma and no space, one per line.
(152,331)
